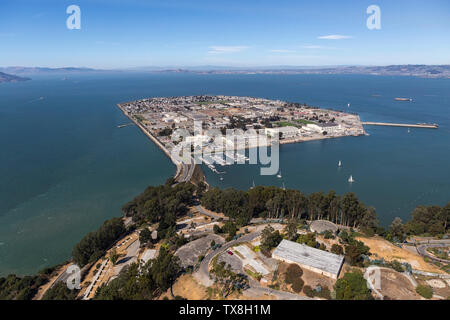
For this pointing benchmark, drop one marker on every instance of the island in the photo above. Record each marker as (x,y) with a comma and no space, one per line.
(290,122)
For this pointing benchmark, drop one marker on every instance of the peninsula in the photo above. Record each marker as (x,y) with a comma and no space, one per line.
(158,118)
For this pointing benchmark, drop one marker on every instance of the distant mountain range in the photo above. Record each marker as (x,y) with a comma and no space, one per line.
(36,70)
(4,77)
(424,71)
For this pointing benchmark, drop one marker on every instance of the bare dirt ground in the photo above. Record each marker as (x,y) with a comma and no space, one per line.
(381,248)
(395,285)
(188,288)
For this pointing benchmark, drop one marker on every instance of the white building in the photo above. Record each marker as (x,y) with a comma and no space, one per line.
(287,132)
(319,261)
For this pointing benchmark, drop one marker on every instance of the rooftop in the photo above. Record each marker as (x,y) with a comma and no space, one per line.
(305,255)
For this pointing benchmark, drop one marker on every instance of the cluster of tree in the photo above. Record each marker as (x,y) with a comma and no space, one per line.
(431,220)
(352,286)
(354,249)
(229,228)
(272,202)
(319,291)
(60,291)
(13,287)
(270,238)
(147,282)
(163,204)
(165,132)
(94,245)
(293,276)
(228,280)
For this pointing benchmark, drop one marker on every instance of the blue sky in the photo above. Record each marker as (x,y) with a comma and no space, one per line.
(133,33)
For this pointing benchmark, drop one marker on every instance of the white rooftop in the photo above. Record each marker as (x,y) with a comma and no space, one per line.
(303,254)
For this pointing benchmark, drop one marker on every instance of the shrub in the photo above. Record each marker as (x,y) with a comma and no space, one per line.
(293,273)
(308,291)
(297,285)
(425,291)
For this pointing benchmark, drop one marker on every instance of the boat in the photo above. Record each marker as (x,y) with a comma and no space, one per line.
(409,130)
(340,163)
(348,105)
(279,175)
(403,99)
(253,185)
(221,178)
(284,188)
(351,179)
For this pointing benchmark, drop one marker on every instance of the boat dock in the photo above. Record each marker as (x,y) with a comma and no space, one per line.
(417,125)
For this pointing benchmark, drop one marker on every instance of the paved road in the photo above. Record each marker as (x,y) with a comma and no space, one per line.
(422,249)
(255,290)
(202,273)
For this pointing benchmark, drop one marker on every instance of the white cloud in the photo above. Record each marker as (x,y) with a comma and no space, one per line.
(281,51)
(334,37)
(226,49)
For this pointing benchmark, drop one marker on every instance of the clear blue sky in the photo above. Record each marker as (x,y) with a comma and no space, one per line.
(118,34)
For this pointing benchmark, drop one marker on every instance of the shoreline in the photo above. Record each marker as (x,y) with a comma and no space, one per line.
(178,165)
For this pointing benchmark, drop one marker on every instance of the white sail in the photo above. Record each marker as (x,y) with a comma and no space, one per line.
(351,179)
(340,163)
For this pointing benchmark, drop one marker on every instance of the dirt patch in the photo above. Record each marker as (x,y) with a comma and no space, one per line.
(395,285)
(381,248)
(188,288)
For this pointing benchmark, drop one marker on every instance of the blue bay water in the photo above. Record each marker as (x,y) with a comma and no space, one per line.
(65,167)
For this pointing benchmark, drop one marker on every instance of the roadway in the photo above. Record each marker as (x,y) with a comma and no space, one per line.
(255,289)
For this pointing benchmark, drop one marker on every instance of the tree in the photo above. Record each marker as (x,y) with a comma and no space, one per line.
(145,236)
(228,280)
(297,285)
(114,256)
(352,286)
(397,230)
(424,291)
(354,251)
(60,292)
(270,238)
(291,229)
(293,272)
(337,249)
(165,269)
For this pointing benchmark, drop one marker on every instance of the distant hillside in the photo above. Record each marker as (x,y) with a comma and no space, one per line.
(4,77)
(425,71)
(36,70)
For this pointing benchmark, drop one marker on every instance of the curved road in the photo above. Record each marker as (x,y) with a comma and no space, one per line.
(203,276)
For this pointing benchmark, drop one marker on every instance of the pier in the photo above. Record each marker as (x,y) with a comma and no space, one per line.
(417,125)
(125,125)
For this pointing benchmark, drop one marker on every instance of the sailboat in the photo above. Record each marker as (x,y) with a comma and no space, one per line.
(284,188)
(279,174)
(221,178)
(253,185)
(340,163)
(409,130)
(348,105)
(351,179)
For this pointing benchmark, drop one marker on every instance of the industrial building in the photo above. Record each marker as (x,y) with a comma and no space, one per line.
(319,261)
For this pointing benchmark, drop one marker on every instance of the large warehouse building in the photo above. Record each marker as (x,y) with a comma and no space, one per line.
(320,261)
